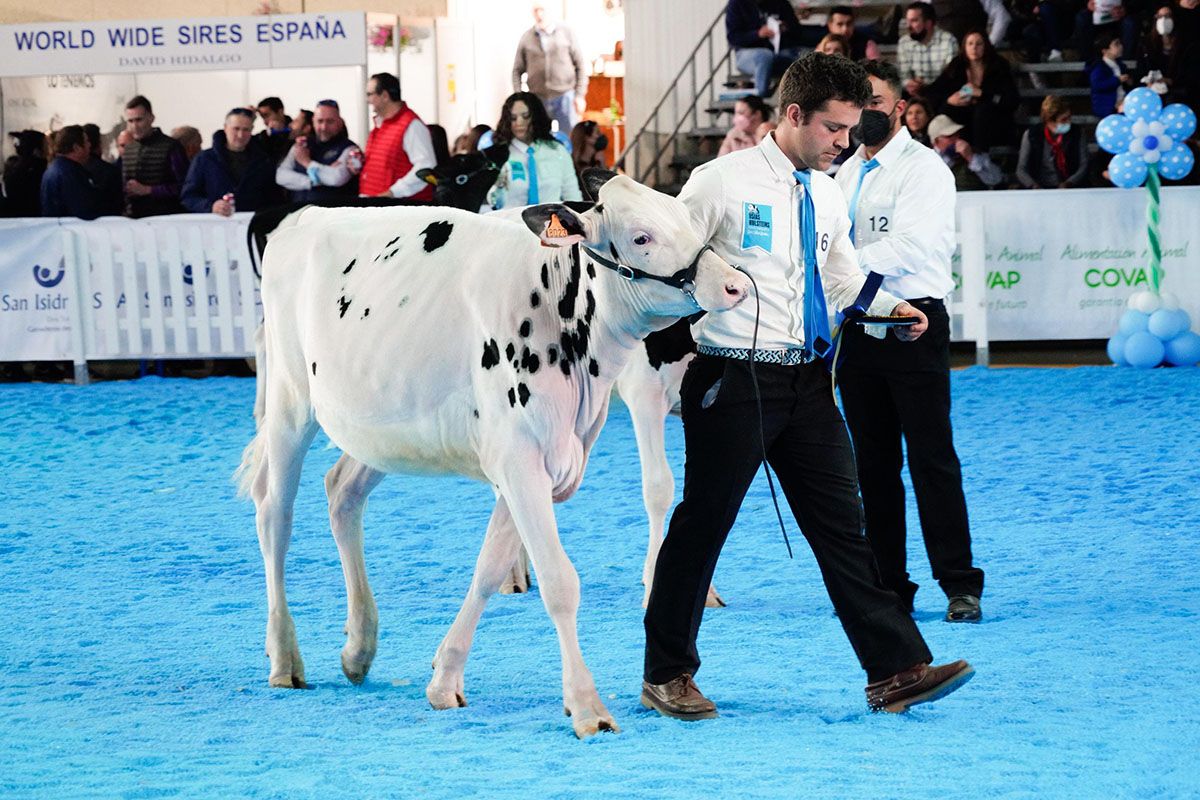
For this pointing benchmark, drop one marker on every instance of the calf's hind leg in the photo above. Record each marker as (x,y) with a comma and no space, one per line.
(347,485)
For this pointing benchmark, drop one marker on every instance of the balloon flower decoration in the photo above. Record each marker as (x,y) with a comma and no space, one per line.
(1147,141)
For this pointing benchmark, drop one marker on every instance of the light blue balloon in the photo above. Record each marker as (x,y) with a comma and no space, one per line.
(1114,133)
(1185,319)
(1127,170)
(1166,324)
(1142,103)
(1133,321)
(1183,350)
(1144,350)
(1178,120)
(1116,350)
(1177,162)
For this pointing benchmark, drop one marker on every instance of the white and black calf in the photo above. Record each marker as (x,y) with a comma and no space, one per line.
(436,341)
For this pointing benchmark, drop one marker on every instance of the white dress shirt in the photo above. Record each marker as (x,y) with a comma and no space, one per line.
(904,224)
(418,146)
(747,206)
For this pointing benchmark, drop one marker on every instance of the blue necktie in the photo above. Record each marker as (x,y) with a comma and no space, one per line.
(531,168)
(816,315)
(862,176)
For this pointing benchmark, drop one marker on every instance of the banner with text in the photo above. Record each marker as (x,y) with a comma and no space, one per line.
(35,319)
(1061,263)
(174,45)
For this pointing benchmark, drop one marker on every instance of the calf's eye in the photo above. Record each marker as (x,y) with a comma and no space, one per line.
(641,239)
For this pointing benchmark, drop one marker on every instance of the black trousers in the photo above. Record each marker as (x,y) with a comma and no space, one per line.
(892,389)
(808,448)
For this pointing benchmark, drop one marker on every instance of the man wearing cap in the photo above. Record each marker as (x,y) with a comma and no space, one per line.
(773,210)
(971,170)
(325,165)
(901,204)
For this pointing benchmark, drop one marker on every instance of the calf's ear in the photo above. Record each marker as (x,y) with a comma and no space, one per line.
(593,179)
(426,174)
(497,154)
(556,225)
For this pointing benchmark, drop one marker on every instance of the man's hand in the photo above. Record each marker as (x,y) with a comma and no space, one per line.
(765,32)
(908,333)
(223,207)
(580,105)
(136,188)
(963,148)
(300,149)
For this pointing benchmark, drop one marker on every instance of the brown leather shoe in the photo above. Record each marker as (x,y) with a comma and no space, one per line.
(679,698)
(920,684)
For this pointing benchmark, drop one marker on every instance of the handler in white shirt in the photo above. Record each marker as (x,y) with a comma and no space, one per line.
(752,209)
(901,197)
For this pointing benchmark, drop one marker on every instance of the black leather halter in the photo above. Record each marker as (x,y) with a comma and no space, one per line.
(684,280)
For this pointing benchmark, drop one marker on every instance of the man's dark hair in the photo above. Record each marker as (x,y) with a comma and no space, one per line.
(756,103)
(273,103)
(927,10)
(885,71)
(240,112)
(92,131)
(329,104)
(812,81)
(139,101)
(387,83)
(68,138)
(539,120)
(845,11)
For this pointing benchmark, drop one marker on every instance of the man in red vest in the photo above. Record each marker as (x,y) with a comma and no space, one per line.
(397,146)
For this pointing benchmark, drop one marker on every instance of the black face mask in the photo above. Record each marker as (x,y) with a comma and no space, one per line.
(601,142)
(874,127)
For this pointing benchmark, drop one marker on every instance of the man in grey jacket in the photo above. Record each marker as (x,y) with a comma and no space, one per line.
(549,57)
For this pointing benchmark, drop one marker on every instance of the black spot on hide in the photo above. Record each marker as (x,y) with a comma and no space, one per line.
(343,304)
(551,355)
(366,313)
(566,305)
(526,328)
(314,369)
(436,234)
(591,269)
(535,299)
(346,271)
(670,344)
(598,208)
(392,242)
(594,368)
(574,346)
(590,308)
(475,412)
(491,354)
(512,398)
(530,362)
(510,352)
(523,393)
(545,276)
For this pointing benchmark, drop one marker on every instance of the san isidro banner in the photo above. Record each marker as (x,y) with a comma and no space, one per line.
(183,45)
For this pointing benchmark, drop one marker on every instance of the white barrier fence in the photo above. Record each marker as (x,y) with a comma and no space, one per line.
(1032,265)
(166,287)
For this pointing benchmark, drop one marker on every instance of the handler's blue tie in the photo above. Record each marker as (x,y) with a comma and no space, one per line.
(531,170)
(816,315)
(862,176)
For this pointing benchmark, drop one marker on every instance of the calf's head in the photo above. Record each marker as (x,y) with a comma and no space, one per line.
(463,181)
(646,237)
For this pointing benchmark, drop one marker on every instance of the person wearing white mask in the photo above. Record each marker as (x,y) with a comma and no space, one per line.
(1053,154)
(901,201)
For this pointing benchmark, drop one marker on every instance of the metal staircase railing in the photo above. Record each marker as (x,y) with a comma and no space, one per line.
(645,141)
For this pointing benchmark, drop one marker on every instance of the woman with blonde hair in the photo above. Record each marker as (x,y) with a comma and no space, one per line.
(1054,153)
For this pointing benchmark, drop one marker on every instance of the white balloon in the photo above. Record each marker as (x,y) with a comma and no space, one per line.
(1156,128)
(1169,301)
(1151,156)
(1145,301)
(1140,128)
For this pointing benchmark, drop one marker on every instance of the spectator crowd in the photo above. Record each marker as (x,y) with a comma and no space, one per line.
(959,62)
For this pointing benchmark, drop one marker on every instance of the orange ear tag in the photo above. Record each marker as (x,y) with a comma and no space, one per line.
(555,229)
